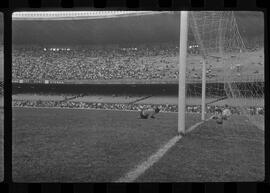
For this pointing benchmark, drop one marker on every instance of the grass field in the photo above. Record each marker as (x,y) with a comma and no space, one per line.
(1,144)
(212,152)
(69,145)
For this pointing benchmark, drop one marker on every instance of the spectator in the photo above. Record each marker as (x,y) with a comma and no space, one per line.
(124,106)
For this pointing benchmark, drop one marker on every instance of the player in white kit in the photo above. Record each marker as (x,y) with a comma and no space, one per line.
(226,113)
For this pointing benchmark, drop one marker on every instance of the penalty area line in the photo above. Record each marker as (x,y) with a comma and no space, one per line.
(133,174)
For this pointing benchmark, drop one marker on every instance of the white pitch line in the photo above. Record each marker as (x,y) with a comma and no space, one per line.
(197,124)
(193,127)
(141,168)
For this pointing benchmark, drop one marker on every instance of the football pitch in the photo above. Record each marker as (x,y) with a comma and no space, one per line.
(1,144)
(75,145)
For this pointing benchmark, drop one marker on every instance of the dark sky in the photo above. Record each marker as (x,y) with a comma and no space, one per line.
(250,24)
(136,29)
(1,28)
(1,42)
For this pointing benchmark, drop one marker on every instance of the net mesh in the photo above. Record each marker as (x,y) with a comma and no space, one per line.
(234,74)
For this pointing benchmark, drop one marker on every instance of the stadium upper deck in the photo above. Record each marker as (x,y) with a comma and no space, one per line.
(62,15)
(76,28)
(106,27)
(35,31)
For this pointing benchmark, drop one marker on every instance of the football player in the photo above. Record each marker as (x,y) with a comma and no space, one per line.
(218,116)
(150,112)
(226,113)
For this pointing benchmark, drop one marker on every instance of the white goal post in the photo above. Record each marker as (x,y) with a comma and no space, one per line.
(182,71)
(182,74)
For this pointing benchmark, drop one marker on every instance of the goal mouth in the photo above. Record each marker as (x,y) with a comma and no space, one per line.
(228,72)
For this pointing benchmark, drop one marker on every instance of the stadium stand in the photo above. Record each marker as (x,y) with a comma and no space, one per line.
(133,52)
(135,62)
(126,106)
(1,68)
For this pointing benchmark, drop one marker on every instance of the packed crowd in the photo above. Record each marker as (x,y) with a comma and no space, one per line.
(139,62)
(88,63)
(114,62)
(1,88)
(127,106)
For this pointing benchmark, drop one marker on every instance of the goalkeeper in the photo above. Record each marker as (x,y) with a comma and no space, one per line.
(221,115)
(151,112)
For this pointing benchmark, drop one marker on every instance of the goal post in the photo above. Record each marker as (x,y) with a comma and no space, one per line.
(182,71)
(203,89)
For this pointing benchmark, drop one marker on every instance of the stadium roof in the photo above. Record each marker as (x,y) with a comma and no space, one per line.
(108,27)
(76,15)
(1,28)
(88,27)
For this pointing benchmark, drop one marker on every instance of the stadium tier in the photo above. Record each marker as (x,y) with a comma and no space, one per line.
(88,47)
(1,67)
(136,64)
(77,28)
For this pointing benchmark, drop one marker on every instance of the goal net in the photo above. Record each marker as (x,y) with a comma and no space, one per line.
(234,74)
